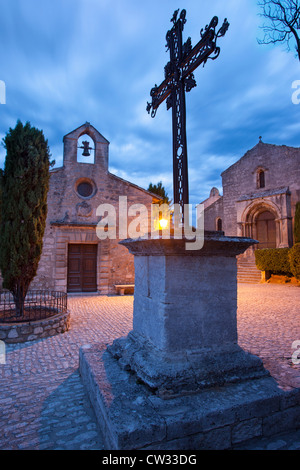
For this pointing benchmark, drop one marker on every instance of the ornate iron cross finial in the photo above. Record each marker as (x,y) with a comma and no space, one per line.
(179,78)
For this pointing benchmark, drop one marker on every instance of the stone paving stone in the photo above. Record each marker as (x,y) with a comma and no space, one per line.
(43,404)
(268,324)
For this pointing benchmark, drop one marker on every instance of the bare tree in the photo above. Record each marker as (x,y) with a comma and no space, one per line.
(283,25)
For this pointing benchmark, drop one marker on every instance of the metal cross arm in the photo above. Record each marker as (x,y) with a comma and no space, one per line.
(179,78)
(159,94)
(204,48)
(191,60)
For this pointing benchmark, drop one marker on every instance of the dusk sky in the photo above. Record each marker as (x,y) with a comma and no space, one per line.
(65,62)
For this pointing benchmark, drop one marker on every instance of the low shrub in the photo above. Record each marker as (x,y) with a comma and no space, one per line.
(294,260)
(275,260)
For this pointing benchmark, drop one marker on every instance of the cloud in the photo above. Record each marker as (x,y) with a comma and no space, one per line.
(72,61)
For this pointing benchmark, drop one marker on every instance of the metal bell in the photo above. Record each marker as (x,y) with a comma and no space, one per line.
(86,149)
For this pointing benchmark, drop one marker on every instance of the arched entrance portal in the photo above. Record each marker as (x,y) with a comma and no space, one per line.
(262,222)
(266,230)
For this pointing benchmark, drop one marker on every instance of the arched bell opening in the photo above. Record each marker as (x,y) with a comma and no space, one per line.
(85,149)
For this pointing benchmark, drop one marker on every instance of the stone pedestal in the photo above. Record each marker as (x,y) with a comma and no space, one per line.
(180,376)
(184,335)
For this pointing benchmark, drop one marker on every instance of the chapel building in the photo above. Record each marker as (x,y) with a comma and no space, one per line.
(74,259)
(260,192)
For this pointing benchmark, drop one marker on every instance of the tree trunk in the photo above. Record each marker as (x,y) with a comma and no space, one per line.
(19,295)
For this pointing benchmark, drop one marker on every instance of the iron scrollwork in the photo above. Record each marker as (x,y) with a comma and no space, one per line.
(190,82)
(179,78)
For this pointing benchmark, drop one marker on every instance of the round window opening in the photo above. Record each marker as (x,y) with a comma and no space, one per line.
(85,189)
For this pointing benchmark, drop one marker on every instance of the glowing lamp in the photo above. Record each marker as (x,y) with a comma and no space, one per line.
(163,223)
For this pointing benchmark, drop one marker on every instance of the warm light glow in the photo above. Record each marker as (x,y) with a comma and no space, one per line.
(163,223)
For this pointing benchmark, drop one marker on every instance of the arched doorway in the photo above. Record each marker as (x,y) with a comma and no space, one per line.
(262,221)
(266,229)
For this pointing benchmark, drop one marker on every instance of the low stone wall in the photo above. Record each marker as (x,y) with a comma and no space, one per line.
(29,331)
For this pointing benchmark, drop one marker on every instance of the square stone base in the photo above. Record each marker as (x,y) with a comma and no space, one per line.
(132,417)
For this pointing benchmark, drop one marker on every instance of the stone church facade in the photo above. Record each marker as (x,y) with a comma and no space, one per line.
(260,192)
(74,259)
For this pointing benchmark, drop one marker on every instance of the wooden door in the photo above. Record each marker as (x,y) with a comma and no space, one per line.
(266,230)
(82,268)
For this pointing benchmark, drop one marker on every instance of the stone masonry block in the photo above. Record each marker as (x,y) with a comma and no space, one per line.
(282,421)
(245,430)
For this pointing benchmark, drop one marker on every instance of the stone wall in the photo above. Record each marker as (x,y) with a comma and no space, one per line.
(115,264)
(72,218)
(243,198)
(282,169)
(29,331)
(212,213)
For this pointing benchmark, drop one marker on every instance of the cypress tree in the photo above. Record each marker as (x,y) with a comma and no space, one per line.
(23,208)
(297,224)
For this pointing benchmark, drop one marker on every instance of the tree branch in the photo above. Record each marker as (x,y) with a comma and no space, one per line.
(283,22)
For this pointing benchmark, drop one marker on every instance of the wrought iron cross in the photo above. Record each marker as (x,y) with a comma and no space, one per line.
(179,78)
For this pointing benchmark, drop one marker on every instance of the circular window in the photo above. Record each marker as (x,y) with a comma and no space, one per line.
(85,189)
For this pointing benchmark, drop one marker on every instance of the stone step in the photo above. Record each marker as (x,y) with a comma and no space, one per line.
(281,441)
(258,414)
(249,274)
(248,265)
(248,268)
(247,271)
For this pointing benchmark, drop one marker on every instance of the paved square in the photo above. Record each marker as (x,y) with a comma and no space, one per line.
(43,403)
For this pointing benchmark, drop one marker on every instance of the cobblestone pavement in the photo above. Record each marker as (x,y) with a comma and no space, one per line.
(43,403)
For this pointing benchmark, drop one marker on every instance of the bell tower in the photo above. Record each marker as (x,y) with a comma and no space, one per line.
(85,145)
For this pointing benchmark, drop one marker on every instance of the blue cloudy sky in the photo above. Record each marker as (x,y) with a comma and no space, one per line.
(65,62)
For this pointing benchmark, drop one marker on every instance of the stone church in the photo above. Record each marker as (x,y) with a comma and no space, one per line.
(260,192)
(74,259)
